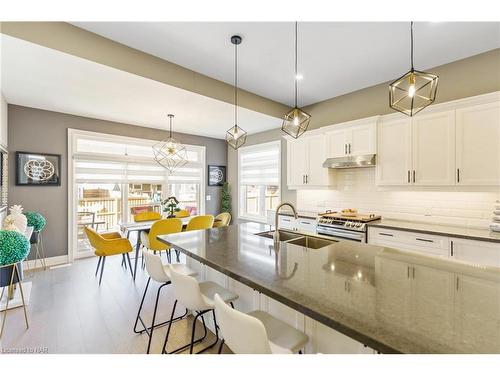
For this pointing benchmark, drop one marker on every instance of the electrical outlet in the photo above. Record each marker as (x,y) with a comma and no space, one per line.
(209,197)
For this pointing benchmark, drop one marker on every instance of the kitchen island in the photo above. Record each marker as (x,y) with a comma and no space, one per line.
(389,300)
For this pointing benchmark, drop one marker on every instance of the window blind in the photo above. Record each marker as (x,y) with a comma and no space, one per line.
(260,164)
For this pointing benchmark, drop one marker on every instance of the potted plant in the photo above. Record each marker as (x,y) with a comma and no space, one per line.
(14,247)
(38,222)
(225,199)
(170,206)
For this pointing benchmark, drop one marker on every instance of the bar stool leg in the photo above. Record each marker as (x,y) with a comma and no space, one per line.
(129,264)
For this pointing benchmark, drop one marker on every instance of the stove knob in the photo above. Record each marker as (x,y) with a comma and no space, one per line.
(348,224)
(362,226)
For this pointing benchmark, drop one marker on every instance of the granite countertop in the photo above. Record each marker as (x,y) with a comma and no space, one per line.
(390,300)
(440,229)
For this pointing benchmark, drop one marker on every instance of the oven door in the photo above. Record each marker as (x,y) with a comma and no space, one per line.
(342,233)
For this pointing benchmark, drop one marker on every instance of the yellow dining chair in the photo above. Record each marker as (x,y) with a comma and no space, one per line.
(200,222)
(107,244)
(147,216)
(165,226)
(182,213)
(225,219)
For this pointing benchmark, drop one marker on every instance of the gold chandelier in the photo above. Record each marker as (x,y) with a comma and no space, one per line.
(170,153)
(236,136)
(413,91)
(296,121)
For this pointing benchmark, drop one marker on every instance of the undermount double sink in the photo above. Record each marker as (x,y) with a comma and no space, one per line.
(298,239)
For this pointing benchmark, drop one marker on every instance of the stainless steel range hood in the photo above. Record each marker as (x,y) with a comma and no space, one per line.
(359,161)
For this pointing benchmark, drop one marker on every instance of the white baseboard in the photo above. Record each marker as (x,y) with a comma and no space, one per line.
(52,261)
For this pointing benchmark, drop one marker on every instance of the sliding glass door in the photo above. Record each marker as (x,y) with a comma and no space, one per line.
(113,177)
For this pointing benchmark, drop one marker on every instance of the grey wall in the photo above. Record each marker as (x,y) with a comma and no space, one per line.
(42,131)
(472,76)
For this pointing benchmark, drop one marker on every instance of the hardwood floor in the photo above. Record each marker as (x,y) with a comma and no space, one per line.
(70,313)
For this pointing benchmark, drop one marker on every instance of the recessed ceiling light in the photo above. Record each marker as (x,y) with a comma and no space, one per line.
(299,76)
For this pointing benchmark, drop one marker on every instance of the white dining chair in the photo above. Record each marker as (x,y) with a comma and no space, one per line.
(256,332)
(199,298)
(160,273)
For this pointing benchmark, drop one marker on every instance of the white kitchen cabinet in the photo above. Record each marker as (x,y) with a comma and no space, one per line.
(286,222)
(353,138)
(477,252)
(433,148)
(478,144)
(403,240)
(394,158)
(337,143)
(306,224)
(297,162)
(305,157)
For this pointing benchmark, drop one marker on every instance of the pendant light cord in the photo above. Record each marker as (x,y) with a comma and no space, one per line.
(411,44)
(295,78)
(170,127)
(235,85)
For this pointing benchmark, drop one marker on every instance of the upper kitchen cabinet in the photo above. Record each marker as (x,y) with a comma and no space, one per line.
(394,161)
(433,148)
(305,157)
(453,143)
(418,150)
(352,138)
(478,144)
(3,122)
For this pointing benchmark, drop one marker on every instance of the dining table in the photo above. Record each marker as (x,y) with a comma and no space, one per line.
(145,226)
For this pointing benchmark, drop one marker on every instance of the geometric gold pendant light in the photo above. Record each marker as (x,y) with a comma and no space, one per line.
(236,136)
(413,91)
(296,121)
(170,153)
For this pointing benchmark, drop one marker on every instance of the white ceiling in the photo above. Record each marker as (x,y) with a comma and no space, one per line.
(44,78)
(335,58)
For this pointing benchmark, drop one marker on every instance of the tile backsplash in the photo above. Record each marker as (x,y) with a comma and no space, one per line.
(355,188)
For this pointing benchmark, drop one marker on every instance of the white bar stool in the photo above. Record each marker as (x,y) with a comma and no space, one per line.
(256,332)
(161,274)
(198,297)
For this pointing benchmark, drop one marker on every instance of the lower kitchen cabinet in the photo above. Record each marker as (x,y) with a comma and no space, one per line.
(424,243)
(472,251)
(477,252)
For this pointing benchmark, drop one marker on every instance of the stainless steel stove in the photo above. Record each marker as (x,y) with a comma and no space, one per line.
(351,227)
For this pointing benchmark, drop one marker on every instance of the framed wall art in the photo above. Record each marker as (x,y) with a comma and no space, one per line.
(216,175)
(38,169)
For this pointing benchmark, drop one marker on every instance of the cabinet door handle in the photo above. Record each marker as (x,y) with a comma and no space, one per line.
(414,176)
(345,148)
(286,220)
(457,283)
(409,178)
(408,272)
(413,272)
(386,234)
(303,178)
(451,248)
(458,175)
(424,239)
(305,222)
(307,177)
(349,148)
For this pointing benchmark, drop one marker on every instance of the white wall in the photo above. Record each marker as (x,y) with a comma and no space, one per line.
(3,120)
(356,189)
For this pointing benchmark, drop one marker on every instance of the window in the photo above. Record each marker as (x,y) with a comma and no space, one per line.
(259,180)
(113,177)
